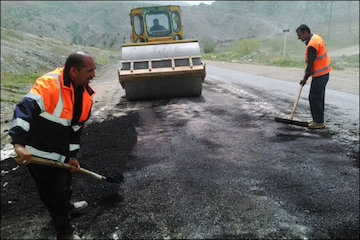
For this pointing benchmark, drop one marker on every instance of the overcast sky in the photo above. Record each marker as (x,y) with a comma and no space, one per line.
(180,2)
(196,2)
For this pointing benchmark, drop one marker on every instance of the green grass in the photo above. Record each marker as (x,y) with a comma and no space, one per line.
(285,62)
(245,47)
(346,62)
(14,87)
(10,35)
(12,98)
(9,80)
(271,52)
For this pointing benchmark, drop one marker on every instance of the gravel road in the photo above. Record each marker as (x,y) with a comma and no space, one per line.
(217,166)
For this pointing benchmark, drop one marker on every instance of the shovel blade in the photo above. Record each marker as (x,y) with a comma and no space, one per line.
(290,121)
(115,179)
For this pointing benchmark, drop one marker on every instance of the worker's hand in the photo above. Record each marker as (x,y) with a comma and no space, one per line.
(23,155)
(74,162)
(303,82)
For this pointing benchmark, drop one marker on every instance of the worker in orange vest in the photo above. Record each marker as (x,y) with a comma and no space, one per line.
(47,123)
(318,66)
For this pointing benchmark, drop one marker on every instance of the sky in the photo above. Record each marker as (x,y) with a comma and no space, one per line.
(197,2)
(182,2)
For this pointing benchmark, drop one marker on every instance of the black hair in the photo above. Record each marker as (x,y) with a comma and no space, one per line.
(303,28)
(76,60)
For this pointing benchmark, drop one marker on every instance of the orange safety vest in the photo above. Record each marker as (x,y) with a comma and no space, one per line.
(322,64)
(58,99)
(56,102)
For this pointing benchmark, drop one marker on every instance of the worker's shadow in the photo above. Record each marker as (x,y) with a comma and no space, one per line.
(106,146)
(105,149)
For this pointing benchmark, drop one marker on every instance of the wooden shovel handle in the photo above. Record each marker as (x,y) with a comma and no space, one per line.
(46,162)
(296,102)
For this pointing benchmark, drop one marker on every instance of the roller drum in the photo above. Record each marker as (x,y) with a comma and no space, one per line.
(163,70)
(158,51)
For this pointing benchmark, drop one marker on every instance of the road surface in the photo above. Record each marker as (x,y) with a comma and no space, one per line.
(217,166)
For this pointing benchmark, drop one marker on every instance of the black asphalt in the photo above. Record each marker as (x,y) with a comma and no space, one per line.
(217,166)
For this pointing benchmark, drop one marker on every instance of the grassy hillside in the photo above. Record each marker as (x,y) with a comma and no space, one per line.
(94,23)
(270,51)
(106,24)
(25,56)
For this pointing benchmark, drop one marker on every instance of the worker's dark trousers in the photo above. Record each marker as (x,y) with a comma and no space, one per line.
(317,97)
(54,188)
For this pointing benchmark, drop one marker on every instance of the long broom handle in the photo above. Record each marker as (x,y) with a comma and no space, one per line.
(296,102)
(46,162)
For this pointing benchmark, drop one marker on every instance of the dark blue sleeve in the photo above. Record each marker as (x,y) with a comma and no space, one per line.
(310,62)
(25,113)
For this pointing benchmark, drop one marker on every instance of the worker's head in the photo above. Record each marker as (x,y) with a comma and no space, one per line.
(303,32)
(81,68)
(156,21)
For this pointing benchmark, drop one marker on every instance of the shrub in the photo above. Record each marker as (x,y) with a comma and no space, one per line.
(209,45)
(246,46)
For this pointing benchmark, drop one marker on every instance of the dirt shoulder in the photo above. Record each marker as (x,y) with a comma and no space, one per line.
(346,80)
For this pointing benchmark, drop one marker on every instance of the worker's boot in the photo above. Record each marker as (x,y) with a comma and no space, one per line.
(78,208)
(315,125)
(68,236)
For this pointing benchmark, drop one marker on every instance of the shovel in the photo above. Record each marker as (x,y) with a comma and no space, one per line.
(46,162)
(291,121)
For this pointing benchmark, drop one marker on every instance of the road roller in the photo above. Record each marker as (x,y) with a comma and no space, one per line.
(159,62)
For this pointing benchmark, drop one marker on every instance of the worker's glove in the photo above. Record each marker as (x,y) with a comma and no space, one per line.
(74,162)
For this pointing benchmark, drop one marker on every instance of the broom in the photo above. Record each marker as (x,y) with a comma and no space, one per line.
(291,121)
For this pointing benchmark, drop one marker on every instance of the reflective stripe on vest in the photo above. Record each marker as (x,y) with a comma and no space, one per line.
(39,100)
(322,56)
(74,147)
(76,128)
(19,122)
(59,105)
(43,154)
(323,69)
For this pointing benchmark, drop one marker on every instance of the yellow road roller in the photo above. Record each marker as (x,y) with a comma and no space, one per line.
(159,63)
